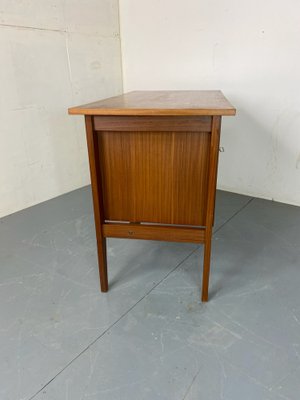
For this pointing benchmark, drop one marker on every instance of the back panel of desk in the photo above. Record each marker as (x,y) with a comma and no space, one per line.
(154,169)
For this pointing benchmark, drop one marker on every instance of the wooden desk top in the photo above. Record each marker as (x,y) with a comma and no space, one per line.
(182,102)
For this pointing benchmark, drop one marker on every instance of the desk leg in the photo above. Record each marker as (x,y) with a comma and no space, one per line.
(98,209)
(210,210)
(102,263)
(206,265)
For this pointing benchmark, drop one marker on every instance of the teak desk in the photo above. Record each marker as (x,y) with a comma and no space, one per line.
(153,161)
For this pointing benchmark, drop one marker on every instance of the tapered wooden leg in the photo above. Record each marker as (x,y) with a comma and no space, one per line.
(97,200)
(206,267)
(102,262)
(211,193)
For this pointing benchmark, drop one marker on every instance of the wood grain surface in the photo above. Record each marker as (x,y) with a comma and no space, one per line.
(159,177)
(182,102)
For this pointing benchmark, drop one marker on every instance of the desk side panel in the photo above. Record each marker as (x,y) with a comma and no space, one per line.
(155,177)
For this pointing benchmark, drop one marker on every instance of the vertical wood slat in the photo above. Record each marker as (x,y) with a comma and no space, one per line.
(97,200)
(212,180)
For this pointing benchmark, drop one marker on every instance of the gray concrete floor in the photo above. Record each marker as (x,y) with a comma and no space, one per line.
(150,337)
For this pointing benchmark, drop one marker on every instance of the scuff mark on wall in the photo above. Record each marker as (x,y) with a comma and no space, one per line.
(215,47)
(298,162)
(32,28)
(95,65)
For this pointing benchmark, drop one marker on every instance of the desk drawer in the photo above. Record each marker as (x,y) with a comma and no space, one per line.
(158,124)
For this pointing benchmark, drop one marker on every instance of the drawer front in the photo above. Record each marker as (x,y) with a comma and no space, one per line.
(153,124)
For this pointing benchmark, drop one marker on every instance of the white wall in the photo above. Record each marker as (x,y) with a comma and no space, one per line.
(53,54)
(248,49)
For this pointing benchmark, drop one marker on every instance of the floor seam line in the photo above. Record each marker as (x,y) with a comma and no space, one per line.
(112,325)
(235,214)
